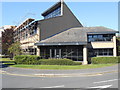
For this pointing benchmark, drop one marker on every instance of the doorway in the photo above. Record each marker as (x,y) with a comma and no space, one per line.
(55,53)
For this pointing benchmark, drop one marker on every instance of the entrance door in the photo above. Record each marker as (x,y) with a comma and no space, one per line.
(55,53)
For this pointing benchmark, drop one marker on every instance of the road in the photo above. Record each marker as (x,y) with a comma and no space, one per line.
(108,80)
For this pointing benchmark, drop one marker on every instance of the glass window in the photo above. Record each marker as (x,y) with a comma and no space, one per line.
(103,52)
(95,36)
(100,36)
(35,31)
(104,37)
(56,12)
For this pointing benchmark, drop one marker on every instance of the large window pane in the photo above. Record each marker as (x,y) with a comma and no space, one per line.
(103,52)
(56,12)
(104,37)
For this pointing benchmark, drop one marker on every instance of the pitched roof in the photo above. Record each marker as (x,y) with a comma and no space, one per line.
(78,34)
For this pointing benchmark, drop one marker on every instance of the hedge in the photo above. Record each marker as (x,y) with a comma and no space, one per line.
(35,60)
(105,60)
(58,62)
(27,59)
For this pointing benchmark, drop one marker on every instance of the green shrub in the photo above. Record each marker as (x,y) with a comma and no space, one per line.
(35,60)
(105,60)
(77,63)
(58,62)
(118,59)
(27,59)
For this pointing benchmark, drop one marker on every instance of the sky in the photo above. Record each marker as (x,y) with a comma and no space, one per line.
(90,14)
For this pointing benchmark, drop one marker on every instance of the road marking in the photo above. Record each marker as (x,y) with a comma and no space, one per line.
(105,86)
(1,71)
(54,86)
(107,81)
(56,75)
(25,75)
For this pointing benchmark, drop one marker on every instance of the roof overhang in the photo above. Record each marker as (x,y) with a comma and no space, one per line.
(110,32)
(25,21)
(60,43)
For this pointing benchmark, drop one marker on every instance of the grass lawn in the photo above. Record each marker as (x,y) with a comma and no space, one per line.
(5,59)
(62,67)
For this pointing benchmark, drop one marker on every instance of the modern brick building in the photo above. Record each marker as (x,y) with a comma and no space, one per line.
(61,35)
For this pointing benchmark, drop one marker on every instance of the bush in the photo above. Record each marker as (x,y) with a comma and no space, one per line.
(27,59)
(118,59)
(77,63)
(35,60)
(58,62)
(105,60)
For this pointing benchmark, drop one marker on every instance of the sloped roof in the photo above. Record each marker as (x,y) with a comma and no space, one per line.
(78,34)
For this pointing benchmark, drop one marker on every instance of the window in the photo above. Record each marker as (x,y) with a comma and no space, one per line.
(103,52)
(56,12)
(35,31)
(104,37)
(70,52)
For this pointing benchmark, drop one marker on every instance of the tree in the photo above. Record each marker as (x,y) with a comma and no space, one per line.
(15,49)
(7,40)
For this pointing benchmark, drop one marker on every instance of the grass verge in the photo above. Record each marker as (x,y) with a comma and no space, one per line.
(62,67)
(5,59)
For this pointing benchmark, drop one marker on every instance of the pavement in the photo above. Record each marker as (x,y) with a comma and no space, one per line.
(59,73)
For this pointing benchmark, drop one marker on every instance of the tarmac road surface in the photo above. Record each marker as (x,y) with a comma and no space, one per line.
(97,79)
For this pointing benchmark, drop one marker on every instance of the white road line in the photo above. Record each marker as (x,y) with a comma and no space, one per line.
(105,86)
(1,71)
(106,81)
(54,86)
